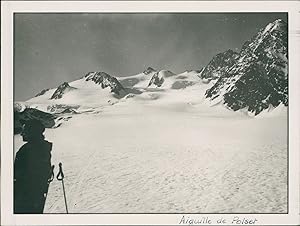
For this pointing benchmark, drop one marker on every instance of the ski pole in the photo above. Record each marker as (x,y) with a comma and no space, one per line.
(60,176)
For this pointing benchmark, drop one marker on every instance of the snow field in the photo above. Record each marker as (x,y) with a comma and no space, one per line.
(154,158)
(166,151)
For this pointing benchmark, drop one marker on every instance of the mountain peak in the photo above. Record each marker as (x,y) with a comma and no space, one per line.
(61,90)
(64,85)
(278,24)
(42,92)
(94,75)
(149,70)
(105,80)
(258,78)
(279,21)
(159,77)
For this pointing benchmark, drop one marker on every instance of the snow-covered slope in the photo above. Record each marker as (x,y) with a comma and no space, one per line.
(169,147)
(249,81)
(184,80)
(162,79)
(170,154)
(140,80)
(61,90)
(105,80)
(95,88)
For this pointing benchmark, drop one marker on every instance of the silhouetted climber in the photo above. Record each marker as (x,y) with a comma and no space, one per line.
(32,170)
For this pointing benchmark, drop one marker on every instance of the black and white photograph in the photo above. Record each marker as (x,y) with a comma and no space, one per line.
(151,113)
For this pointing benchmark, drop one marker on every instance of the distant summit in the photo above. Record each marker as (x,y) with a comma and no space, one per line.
(61,90)
(253,80)
(149,70)
(159,77)
(42,92)
(105,80)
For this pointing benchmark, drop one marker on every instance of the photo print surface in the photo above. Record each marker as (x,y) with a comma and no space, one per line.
(150,113)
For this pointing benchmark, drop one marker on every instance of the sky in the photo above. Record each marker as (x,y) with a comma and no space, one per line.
(50,49)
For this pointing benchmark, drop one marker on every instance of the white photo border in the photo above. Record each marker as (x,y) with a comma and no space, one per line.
(8,9)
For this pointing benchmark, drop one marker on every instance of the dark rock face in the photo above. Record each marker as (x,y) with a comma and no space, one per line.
(61,108)
(259,76)
(218,65)
(149,70)
(159,77)
(61,90)
(105,80)
(20,118)
(69,111)
(156,80)
(42,92)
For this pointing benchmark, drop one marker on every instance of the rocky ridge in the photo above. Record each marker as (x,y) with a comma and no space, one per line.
(258,77)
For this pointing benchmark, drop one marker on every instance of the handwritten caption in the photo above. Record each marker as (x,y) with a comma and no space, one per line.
(236,220)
